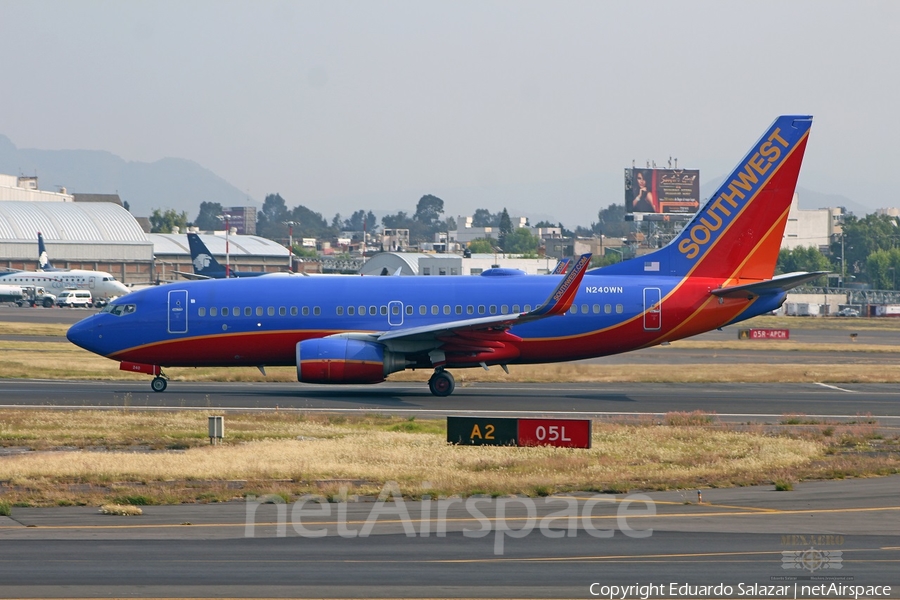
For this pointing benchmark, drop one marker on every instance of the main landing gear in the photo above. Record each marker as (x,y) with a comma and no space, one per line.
(441,383)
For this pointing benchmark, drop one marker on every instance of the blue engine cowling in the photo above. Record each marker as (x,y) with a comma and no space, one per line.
(341,360)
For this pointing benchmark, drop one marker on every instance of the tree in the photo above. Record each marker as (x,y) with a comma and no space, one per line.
(482,246)
(208,217)
(165,222)
(429,210)
(611,221)
(270,220)
(521,241)
(360,220)
(505,228)
(308,223)
(863,237)
(803,259)
(882,267)
(482,217)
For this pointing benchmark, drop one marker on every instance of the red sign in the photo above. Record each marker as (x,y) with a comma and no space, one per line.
(564,433)
(770,334)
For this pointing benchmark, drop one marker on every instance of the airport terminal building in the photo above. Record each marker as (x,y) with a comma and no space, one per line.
(95,232)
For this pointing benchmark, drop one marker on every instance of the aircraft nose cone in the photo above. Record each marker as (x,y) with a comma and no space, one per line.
(84,334)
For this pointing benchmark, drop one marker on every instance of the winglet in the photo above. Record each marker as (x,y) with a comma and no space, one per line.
(561,298)
(561,266)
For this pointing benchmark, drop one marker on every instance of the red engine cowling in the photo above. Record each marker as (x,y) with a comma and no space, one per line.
(340,360)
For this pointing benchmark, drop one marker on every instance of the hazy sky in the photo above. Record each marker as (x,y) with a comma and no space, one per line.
(537,105)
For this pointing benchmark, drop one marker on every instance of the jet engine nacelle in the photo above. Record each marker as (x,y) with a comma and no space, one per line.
(341,360)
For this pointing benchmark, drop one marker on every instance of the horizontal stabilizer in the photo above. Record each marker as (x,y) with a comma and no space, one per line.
(778,284)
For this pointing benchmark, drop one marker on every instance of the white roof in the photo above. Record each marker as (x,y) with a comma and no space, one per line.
(68,222)
(238,245)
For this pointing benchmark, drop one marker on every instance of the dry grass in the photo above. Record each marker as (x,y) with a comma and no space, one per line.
(291,454)
(36,329)
(123,510)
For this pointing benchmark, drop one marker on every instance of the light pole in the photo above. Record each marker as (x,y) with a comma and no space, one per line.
(290,225)
(893,278)
(225,217)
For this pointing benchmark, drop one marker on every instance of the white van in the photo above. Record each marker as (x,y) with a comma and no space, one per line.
(73,298)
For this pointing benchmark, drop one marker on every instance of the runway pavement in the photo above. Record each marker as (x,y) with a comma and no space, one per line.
(741,402)
(842,532)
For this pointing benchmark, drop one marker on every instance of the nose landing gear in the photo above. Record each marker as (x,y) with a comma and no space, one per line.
(159,384)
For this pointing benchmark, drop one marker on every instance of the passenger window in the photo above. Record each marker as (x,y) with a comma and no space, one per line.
(224,311)
(213,311)
(305,311)
(293,311)
(584,309)
(619,309)
(259,311)
(434,309)
(248,311)
(362,311)
(573,310)
(317,311)
(351,310)
(516,308)
(409,309)
(458,309)
(470,310)
(493,309)
(481,309)
(596,309)
(504,309)
(383,310)
(527,308)
(201,312)
(395,310)
(282,311)
(236,311)
(373,311)
(446,309)
(340,311)
(270,311)
(422,309)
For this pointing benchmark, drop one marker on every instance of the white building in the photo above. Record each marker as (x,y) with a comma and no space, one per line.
(814,227)
(25,189)
(437,265)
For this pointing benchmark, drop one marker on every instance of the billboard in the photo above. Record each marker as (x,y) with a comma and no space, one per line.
(671,191)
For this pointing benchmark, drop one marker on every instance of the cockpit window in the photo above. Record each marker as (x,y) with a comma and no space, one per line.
(119,309)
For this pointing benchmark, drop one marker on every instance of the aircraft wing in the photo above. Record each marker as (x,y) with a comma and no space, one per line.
(187,275)
(556,304)
(779,283)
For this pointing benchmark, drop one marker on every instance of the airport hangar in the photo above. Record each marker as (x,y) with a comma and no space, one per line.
(103,236)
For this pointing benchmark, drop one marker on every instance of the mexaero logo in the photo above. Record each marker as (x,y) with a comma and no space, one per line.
(729,202)
(202,261)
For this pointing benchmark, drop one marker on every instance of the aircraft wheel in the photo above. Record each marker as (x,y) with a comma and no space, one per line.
(158,384)
(441,383)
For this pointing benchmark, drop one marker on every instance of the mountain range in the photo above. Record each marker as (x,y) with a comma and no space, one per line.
(166,183)
(183,184)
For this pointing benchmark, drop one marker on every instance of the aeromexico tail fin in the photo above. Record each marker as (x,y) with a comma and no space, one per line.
(43,260)
(737,234)
(204,262)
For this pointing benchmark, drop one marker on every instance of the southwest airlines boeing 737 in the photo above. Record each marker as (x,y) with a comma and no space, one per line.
(717,271)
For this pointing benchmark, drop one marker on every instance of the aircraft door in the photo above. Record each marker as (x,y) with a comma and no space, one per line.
(178,318)
(652,309)
(91,282)
(395,313)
